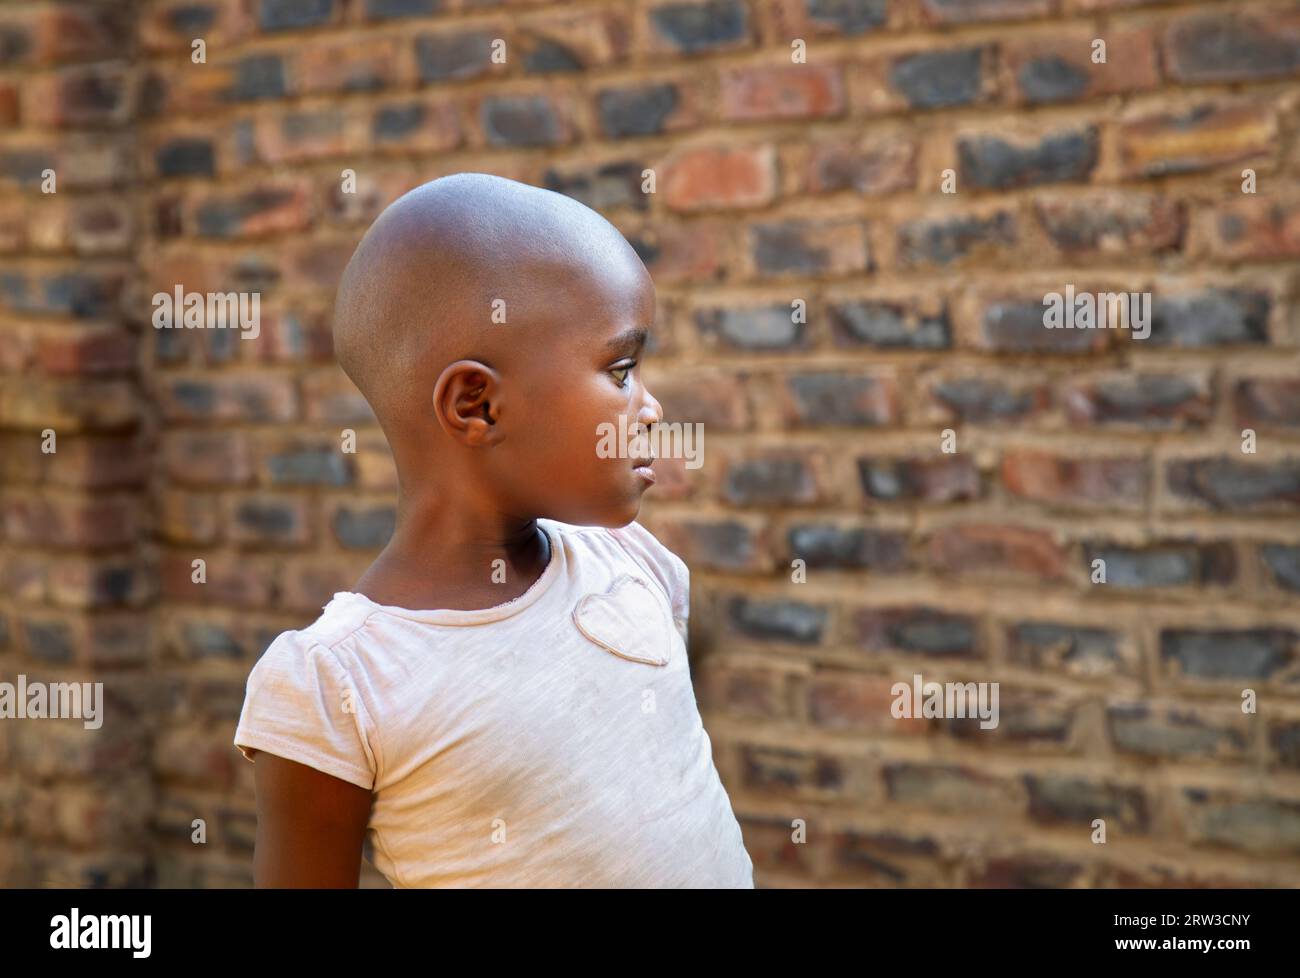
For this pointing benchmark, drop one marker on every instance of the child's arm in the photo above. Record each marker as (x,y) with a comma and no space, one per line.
(310,826)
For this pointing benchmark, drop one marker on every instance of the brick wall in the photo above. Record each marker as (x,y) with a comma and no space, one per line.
(832,315)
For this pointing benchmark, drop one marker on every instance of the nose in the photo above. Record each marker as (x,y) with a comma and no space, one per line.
(651,411)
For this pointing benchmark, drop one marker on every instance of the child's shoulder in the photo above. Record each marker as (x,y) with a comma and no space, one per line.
(339,619)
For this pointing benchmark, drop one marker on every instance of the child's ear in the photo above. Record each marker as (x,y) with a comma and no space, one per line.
(467,402)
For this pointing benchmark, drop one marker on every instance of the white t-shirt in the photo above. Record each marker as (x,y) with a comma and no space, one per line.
(551,741)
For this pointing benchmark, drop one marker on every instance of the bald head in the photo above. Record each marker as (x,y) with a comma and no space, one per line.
(422,288)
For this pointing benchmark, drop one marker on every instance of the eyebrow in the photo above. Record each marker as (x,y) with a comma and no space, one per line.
(633,338)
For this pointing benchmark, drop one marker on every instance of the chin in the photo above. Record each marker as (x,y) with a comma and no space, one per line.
(611,517)
(623,517)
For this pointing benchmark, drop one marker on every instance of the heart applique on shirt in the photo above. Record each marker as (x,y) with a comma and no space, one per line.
(629,620)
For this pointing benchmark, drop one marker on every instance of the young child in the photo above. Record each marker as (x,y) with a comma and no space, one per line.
(504,700)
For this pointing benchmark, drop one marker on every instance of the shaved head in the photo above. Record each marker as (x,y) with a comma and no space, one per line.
(493,327)
(419,291)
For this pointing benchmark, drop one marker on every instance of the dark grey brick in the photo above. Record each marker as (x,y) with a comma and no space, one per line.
(639,111)
(397,121)
(976,400)
(259,76)
(934,79)
(1230,47)
(288,15)
(309,466)
(206,640)
(1215,317)
(365,529)
(185,157)
(942,241)
(1051,79)
(850,17)
(917,629)
(784,621)
(692,27)
(606,186)
(1056,799)
(990,163)
(386,9)
(520,120)
(1164,565)
(1283,563)
(889,326)
(1251,653)
(49,642)
(447,57)
(826,545)
(763,328)
(1226,483)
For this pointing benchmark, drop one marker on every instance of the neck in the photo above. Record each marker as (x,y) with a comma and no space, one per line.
(441,556)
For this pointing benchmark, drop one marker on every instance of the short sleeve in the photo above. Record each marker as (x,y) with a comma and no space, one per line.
(301,704)
(664,565)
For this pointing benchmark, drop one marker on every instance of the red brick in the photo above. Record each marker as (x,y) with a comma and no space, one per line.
(716,401)
(354,65)
(586,38)
(739,690)
(848,701)
(232,581)
(996,550)
(1147,400)
(257,210)
(86,352)
(1254,228)
(71,406)
(1267,402)
(931,479)
(1111,223)
(200,458)
(1058,66)
(1096,483)
(716,178)
(229,398)
(1196,137)
(102,95)
(71,522)
(866,164)
(734,544)
(189,517)
(68,32)
(172,25)
(968,11)
(776,92)
(676,252)
(9,95)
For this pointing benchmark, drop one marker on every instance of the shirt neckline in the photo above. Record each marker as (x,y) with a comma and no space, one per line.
(475,616)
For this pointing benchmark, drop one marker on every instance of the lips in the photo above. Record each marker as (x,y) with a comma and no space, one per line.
(641,466)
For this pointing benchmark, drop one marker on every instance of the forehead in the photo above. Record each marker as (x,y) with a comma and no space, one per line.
(600,294)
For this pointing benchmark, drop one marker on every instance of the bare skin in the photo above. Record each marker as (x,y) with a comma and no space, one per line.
(493,425)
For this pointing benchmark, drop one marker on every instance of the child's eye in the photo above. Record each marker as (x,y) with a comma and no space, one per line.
(623,370)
